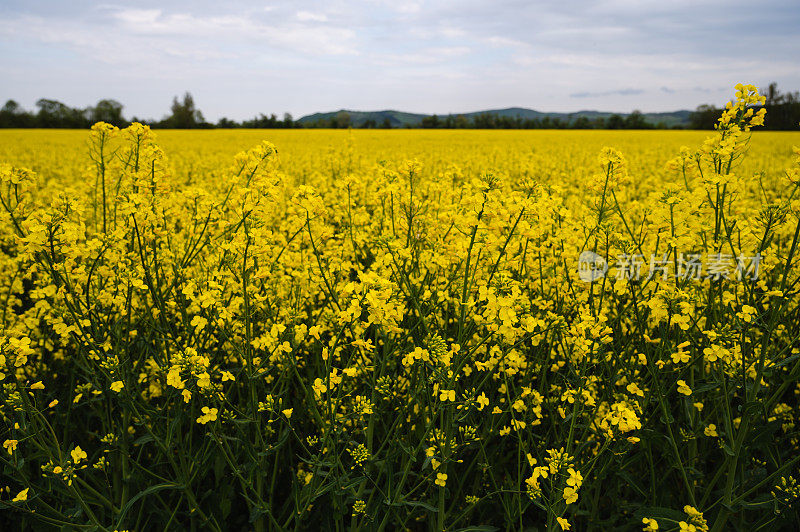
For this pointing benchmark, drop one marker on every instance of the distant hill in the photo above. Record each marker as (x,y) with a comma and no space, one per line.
(358,118)
(670,119)
(402,119)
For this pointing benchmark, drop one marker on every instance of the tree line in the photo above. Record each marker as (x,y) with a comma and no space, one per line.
(183,115)
(783,113)
(635,120)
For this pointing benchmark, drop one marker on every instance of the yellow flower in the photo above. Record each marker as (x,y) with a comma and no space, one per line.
(691,511)
(377,247)
(359,507)
(680,356)
(650,525)
(570,495)
(10,446)
(199,323)
(575,478)
(483,401)
(174,378)
(447,395)
(209,414)
(635,390)
(53,403)
(21,496)
(319,387)
(204,380)
(77,454)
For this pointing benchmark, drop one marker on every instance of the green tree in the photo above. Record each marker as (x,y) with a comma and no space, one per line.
(108,111)
(615,121)
(582,122)
(342,120)
(704,117)
(184,114)
(636,120)
(783,109)
(53,113)
(13,115)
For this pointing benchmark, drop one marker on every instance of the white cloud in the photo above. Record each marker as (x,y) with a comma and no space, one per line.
(427,56)
(308,16)
(145,33)
(505,42)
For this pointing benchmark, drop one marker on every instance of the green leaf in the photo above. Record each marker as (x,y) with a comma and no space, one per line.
(753,407)
(143,439)
(414,504)
(764,436)
(256,513)
(658,512)
(705,387)
(782,363)
(727,449)
(141,494)
(762,501)
(627,478)
(219,468)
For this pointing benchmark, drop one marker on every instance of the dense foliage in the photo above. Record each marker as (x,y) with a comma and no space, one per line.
(346,337)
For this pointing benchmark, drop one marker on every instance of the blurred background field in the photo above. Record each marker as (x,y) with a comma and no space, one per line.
(542,154)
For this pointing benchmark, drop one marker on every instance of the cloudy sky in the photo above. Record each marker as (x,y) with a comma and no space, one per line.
(243,58)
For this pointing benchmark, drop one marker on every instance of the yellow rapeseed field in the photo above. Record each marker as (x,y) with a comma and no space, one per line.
(389,330)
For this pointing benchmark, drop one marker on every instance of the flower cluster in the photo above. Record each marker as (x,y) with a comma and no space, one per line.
(389,331)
